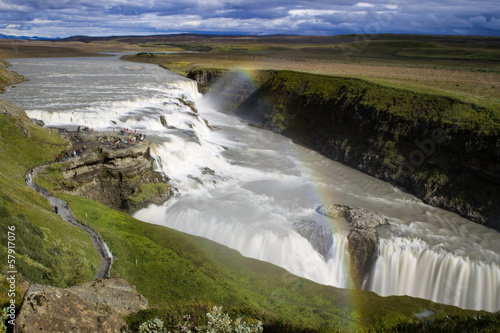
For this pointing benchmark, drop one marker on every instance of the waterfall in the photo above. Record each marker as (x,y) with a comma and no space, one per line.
(188,86)
(249,227)
(410,267)
(247,188)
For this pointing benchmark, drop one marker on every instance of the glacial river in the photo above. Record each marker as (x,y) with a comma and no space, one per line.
(249,189)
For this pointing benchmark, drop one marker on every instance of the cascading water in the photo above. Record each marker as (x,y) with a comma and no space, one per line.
(257,192)
(409,267)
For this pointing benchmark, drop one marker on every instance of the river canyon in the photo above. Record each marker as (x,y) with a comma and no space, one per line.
(252,190)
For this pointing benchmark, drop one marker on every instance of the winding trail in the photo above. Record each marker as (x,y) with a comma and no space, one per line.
(66,214)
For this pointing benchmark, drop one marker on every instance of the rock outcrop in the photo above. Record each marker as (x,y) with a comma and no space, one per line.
(362,237)
(50,309)
(320,236)
(111,296)
(227,89)
(205,77)
(120,176)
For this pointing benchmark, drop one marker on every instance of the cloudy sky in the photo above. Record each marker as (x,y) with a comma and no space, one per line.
(63,18)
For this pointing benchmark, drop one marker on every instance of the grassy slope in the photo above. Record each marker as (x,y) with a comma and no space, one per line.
(431,108)
(178,271)
(48,250)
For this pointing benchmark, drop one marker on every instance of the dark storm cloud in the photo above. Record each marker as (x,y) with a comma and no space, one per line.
(61,18)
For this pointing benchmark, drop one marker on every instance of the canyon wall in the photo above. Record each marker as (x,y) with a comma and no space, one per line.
(441,149)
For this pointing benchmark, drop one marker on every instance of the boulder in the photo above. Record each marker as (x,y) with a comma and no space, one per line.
(356,217)
(50,309)
(111,296)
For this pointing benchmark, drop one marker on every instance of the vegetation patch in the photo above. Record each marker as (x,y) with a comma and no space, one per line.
(48,250)
(147,193)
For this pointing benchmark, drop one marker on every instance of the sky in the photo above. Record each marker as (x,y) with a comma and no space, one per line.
(64,18)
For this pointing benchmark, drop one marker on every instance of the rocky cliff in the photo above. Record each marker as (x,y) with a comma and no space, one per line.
(225,89)
(206,77)
(119,175)
(443,150)
(362,237)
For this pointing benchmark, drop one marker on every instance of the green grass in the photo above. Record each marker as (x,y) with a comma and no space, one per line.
(458,324)
(147,192)
(48,250)
(434,109)
(451,58)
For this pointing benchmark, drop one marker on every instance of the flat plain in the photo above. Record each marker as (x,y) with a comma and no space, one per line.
(467,67)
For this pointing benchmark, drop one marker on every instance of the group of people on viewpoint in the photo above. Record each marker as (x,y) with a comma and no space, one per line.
(134,138)
(75,153)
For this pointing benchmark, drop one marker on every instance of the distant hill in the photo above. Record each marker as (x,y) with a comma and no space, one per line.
(476,41)
(2,36)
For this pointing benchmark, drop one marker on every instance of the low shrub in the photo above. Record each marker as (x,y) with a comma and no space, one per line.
(217,322)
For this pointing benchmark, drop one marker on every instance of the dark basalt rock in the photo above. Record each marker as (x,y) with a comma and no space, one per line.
(362,237)
(319,236)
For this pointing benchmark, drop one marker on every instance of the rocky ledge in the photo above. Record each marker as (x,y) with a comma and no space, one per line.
(96,306)
(362,237)
(114,169)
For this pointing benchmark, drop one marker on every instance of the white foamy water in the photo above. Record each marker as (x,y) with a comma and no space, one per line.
(409,267)
(248,188)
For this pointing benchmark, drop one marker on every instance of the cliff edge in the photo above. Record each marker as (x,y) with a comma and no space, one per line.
(443,150)
(113,168)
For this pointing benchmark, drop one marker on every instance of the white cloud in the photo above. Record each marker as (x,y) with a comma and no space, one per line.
(364,4)
(13,7)
(42,21)
(62,18)
(311,12)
